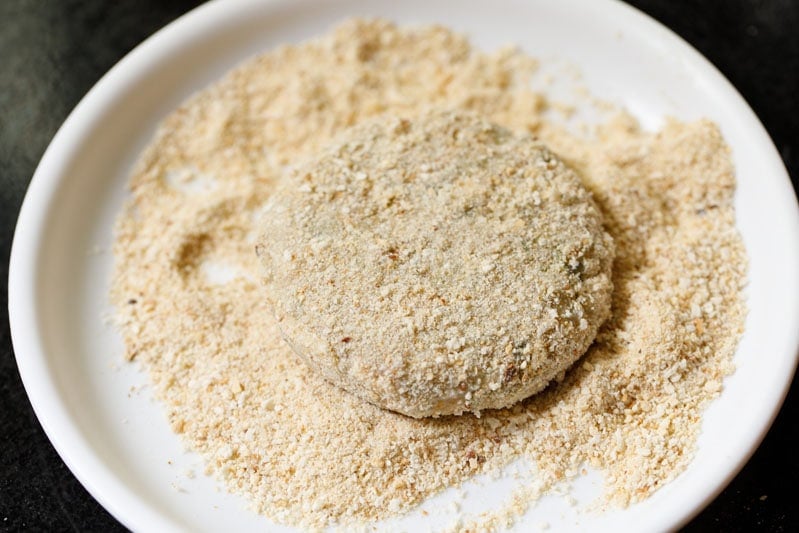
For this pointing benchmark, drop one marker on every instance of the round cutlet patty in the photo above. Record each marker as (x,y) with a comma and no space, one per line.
(437,265)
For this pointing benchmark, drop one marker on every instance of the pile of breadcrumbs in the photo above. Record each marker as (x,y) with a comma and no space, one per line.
(192,310)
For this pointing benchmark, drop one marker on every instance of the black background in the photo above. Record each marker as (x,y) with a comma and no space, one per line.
(53,51)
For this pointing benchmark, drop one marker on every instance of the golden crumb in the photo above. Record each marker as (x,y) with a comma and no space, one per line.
(192,311)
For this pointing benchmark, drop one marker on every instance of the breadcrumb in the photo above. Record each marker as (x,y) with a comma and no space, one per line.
(306,452)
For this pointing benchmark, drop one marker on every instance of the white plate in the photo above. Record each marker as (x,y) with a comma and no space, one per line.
(118,443)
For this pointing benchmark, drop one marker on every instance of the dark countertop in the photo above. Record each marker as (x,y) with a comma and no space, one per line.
(52,52)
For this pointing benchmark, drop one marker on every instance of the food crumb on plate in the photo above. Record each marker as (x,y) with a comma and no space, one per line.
(308,454)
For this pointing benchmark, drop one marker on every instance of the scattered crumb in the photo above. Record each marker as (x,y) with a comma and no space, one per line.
(309,454)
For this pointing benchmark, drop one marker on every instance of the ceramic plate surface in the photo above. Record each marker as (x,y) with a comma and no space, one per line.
(118,442)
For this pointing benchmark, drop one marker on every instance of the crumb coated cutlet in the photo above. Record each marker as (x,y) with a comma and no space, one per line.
(437,265)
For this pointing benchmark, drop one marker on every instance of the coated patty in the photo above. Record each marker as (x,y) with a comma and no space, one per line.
(436,265)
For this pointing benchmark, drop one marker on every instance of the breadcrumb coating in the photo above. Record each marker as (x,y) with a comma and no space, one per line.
(436,265)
